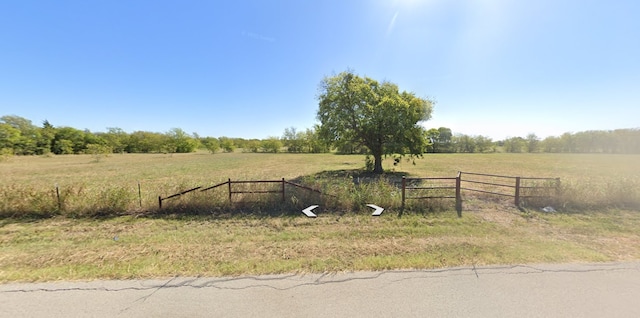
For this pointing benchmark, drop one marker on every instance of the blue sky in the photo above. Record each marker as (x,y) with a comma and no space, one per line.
(250,69)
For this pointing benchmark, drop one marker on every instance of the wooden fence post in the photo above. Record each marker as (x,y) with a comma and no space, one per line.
(159,202)
(283,190)
(229,190)
(404,185)
(517,201)
(459,194)
(58,197)
(139,194)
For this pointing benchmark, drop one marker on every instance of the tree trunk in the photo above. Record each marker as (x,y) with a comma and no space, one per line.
(376,152)
(377,157)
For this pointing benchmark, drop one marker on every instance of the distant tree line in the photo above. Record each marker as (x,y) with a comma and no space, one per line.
(623,141)
(442,140)
(19,136)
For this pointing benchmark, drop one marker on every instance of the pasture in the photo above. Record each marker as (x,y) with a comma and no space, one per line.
(599,219)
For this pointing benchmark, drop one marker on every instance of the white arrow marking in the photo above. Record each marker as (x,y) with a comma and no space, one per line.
(378,210)
(308,210)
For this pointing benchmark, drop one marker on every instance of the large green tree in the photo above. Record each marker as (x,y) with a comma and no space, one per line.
(377,115)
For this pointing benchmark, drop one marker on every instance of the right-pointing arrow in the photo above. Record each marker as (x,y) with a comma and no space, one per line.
(378,210)
(308,212)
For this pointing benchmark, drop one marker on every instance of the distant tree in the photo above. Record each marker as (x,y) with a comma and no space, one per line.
(22,124)
(98,151)
(25,143)
(91,138)
(625,140)
(63,147)
(180,142)
(594,141)
(313,142)
(9,137)
(445,136)
(533,143)
(514,144)
(240,142)
(568,142)
(484,144)
(604,141)
(45,140)
(376,115)
(227,144)
(253,145)
(432,136)
(551,144)
(293,140)
(68,140)
(115,138)
(145,142)
(272,144)
(463,143)
(211,144)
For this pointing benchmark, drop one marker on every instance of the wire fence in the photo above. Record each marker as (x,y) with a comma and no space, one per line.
(412,188)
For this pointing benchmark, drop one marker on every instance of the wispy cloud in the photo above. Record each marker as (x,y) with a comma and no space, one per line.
(392,23)
(258,36)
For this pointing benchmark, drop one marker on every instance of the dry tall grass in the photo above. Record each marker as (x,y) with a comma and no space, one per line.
(490,232)
(110,187)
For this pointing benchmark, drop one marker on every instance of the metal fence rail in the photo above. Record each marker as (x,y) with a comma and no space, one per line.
(513,185)
(455,186)
(440,188)
(231,191)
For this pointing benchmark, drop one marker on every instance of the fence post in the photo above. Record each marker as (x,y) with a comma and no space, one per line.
(58,197)
(459,194)
(229,183)
(159,202)
(517,192)
(139,194)
(404,185)
(283,190)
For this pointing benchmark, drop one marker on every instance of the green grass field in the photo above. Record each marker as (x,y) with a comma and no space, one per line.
(141,244)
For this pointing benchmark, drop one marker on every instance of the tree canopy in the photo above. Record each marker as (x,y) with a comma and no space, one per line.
(19,136)
(377,115)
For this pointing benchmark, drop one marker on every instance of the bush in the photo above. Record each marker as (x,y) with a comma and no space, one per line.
(5,154)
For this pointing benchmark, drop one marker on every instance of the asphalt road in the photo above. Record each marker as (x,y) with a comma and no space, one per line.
(568,290)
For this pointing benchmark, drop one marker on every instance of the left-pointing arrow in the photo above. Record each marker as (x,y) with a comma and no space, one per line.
(308,212)
(378,210)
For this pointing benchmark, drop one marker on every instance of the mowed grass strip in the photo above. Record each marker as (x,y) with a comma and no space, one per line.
(128,247)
